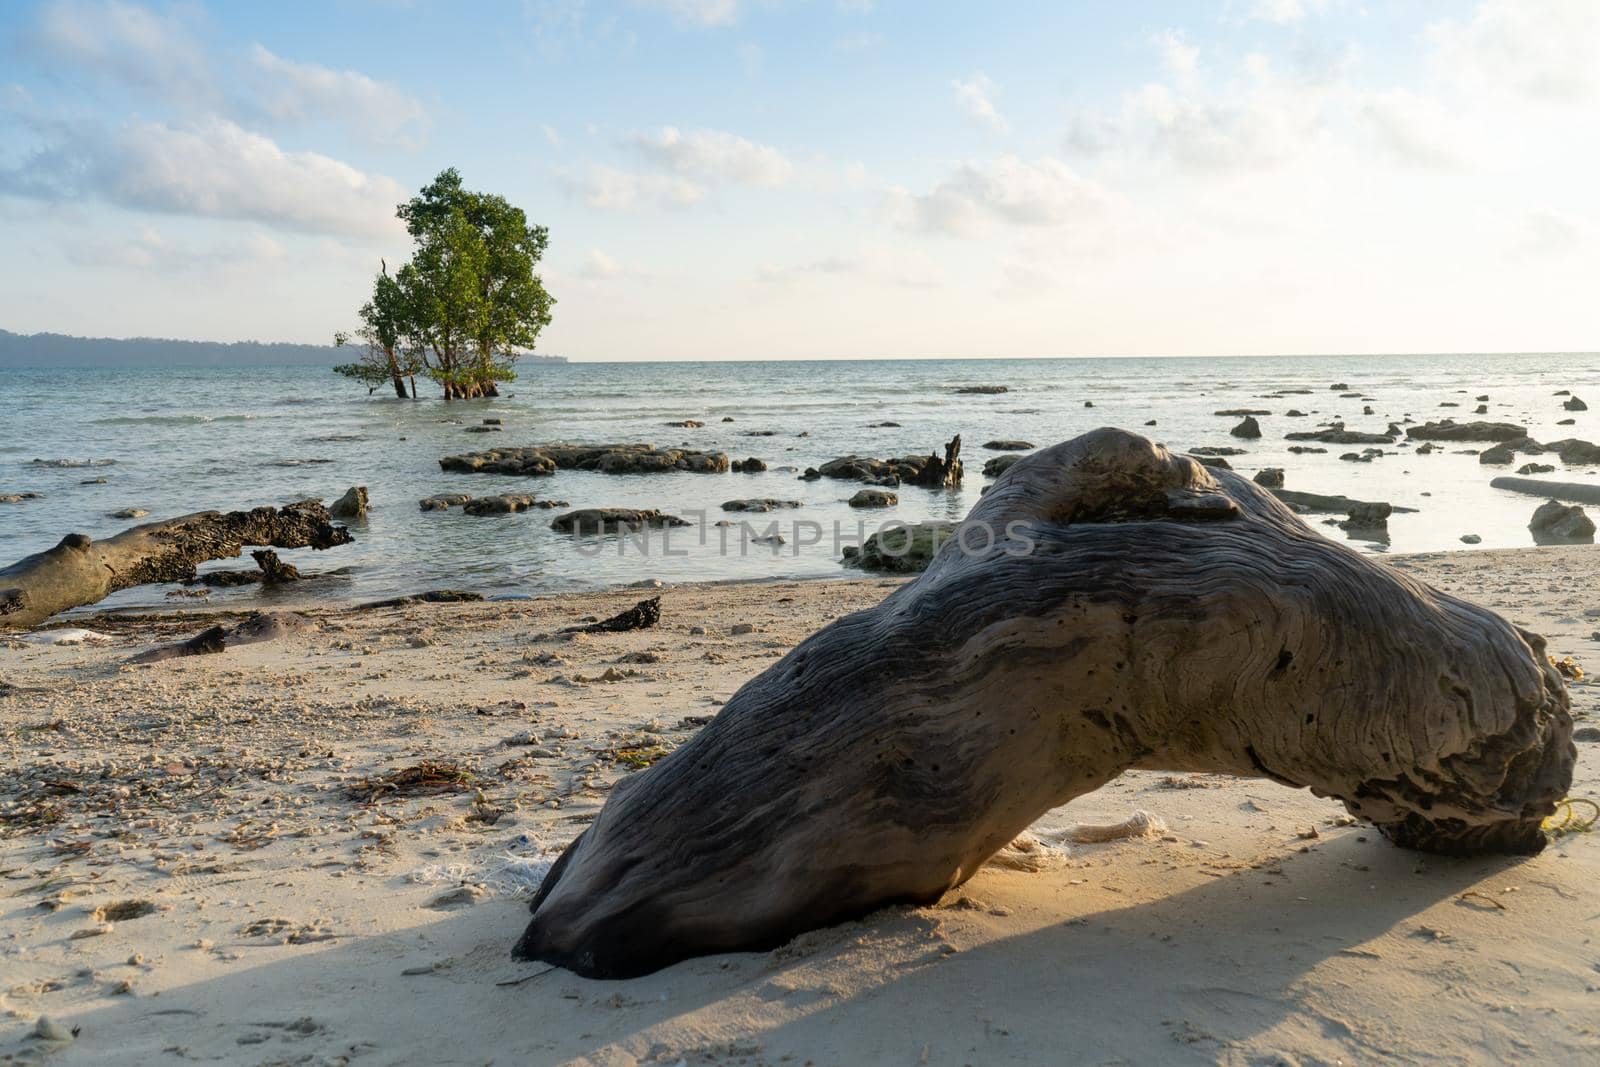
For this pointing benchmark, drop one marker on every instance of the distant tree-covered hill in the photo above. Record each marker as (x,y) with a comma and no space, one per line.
(61,350)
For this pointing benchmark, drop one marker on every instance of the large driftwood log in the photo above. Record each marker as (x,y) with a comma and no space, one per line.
(1136,609)
(80,571)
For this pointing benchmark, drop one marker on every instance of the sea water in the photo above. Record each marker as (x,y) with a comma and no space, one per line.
(182,439)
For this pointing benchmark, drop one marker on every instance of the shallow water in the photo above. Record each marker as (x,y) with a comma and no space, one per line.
(188,439)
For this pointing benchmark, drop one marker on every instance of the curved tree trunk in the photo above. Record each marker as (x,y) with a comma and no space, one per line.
(1132,609)
(80,571)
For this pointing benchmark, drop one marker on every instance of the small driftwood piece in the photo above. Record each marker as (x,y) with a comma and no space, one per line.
(80,571)
(205,643)
(260,626)
(642,616)
(1135,609)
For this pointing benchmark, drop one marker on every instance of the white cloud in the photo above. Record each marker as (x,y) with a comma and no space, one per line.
(611,189)
(148,249)
(597,265)
(698,12)
(1541,48)
(297,92)
(551,135)
(154,53)
(1180,58)
(1418,131)
(976,97)
(210,168)
(1547,233)
(1008,191)
(714,155)
(1287,12)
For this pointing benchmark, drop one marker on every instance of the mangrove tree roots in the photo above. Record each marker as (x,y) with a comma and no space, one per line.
(80,571)
(1107,605)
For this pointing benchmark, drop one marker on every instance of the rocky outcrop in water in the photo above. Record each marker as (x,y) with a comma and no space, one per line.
(1336,434)
(613,520)
(507,504)
(1450,430)
(353,505)
(759,504)
(929,471)
(900,549)
(539,460)
(1556,522)
(874,498)
(998,465)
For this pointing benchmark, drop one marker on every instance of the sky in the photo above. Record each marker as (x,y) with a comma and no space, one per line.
(763,179)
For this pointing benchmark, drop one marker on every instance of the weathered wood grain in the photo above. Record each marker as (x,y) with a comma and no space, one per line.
(1135,609)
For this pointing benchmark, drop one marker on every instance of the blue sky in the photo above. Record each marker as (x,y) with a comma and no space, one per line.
(824,178)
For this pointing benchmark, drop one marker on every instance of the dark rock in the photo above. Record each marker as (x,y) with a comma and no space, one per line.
(17,498)
(613,520)
(760,504)
(538,460)
(1471,539)
(1304,450)
(900,549)
(353,505)
(507,503)
(443,501)
(1481,409)
(1009,446)
(1336,434)
(1535,468)
(130,513)
(874,498)
(811,474)
(1270,477)
(1449,430)
(1498,455)
(1336,386)
(1088,403)
(1367,516)
(1214,461)
(748,466)
(1248,428)
(1295,413)
(1574,404)
(686,424)
(1554,521)
(1576,452)
(1567,422)
(1236,412)
(1218,450)
(983,390)
(998,465)
(481,429)
(1328,503)
(927,470)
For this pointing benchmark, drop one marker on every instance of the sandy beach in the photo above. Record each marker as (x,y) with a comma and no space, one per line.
(203,860)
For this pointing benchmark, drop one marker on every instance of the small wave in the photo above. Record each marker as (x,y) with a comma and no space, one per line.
(71,462)
(169,420)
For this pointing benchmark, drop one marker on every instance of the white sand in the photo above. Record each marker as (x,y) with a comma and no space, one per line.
(1263,928)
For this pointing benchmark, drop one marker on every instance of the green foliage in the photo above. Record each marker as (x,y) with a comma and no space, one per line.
(467,305)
